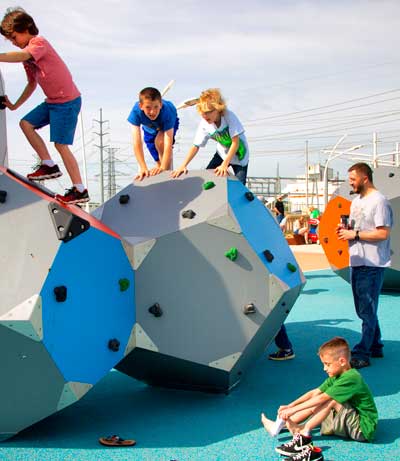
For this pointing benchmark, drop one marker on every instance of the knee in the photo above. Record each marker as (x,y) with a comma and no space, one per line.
(25,126)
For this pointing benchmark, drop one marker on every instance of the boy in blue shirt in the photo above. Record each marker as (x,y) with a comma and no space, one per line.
(159,121)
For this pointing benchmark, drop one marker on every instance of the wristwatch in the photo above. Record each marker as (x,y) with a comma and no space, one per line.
(357,236)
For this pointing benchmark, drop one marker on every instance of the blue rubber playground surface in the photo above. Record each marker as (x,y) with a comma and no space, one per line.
(185,426)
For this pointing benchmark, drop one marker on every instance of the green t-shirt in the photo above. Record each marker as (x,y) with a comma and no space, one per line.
(350,387)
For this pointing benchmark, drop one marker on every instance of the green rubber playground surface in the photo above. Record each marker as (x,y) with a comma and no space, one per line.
(185,426)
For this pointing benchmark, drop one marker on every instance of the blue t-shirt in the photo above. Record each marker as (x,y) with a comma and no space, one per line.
(165,121)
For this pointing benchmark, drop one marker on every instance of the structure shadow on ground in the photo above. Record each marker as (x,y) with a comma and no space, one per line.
(168,418)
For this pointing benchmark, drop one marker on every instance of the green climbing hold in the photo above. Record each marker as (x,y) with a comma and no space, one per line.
(123,284)
(208,185)
(232,253)
(291,267)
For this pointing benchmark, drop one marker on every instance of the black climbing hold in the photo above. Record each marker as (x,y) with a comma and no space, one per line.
(2,101)
(268,255)
(113,345)
(156,310)
(123,284)
(391,174)
(232,253)
(60,293)
(249,309)
(250,196)
(283,304)
(188,214)
(3,196)
(67,225)
(340,252)
(124,199)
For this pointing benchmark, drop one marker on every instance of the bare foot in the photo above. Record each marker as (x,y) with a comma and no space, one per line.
(268,424)
(293,427)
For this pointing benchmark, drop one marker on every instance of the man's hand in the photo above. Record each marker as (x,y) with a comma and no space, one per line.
(345,234)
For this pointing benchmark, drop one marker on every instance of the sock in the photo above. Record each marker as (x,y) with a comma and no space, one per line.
(80,187)
(49,163)
(279,425)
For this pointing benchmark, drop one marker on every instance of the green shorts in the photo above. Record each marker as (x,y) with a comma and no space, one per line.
(344,423)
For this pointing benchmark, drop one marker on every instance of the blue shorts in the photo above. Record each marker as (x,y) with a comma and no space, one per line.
(62,119)
(149,139)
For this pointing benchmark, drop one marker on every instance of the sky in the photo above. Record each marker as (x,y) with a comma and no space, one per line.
(296,73)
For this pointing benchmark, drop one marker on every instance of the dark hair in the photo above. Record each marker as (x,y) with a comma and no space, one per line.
(362,168)
(150,93)
(17,20)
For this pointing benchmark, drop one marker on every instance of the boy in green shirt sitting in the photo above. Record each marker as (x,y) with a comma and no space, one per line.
(343,405)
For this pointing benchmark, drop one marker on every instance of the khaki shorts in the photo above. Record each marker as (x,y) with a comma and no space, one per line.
(344,423)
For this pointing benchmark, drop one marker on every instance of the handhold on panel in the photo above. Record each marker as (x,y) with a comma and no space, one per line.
(124,199)
(156,310)
(208,185)
(3,196)
(232,253)
(268,256)
(188,214)
(114,344)
(123,284)
(249,195)
(60,293)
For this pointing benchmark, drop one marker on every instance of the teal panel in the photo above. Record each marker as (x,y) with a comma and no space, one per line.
(77,331)
(263,233)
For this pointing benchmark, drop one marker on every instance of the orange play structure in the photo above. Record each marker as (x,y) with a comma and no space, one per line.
(337,251)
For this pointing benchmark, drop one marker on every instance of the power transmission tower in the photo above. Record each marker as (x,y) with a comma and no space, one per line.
(112,187)
(101,147)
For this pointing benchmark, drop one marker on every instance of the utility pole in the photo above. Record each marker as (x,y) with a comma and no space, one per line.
(101,146)
(111,185)
(375,151)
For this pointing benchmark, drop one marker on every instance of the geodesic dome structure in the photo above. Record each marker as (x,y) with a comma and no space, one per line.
(214,278)
(66,304)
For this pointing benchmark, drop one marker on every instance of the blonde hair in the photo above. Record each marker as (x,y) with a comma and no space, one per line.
(211,99)
(337,347)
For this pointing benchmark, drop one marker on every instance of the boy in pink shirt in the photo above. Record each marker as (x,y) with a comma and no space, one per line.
(62,105)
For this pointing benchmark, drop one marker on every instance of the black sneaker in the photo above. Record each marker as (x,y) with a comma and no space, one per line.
(377,354)
(295,446)
(359,363)
(308,453)
(73,196)
(282,354)
(44,172)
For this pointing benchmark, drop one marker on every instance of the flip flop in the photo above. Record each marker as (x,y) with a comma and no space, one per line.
(116,441)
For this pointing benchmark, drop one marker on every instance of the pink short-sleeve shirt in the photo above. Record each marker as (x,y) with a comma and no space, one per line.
(49,71)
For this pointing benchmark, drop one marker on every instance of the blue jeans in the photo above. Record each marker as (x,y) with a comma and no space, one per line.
(279,218)
(239,170)
(366,283)
(282,339)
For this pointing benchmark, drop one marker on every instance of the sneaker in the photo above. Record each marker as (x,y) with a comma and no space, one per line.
(309,453)
(44,172)
(282,354)
(359,363)
(73,196)
(377,354)
(295,446)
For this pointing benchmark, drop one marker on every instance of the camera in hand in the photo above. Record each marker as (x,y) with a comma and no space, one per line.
(344,221)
